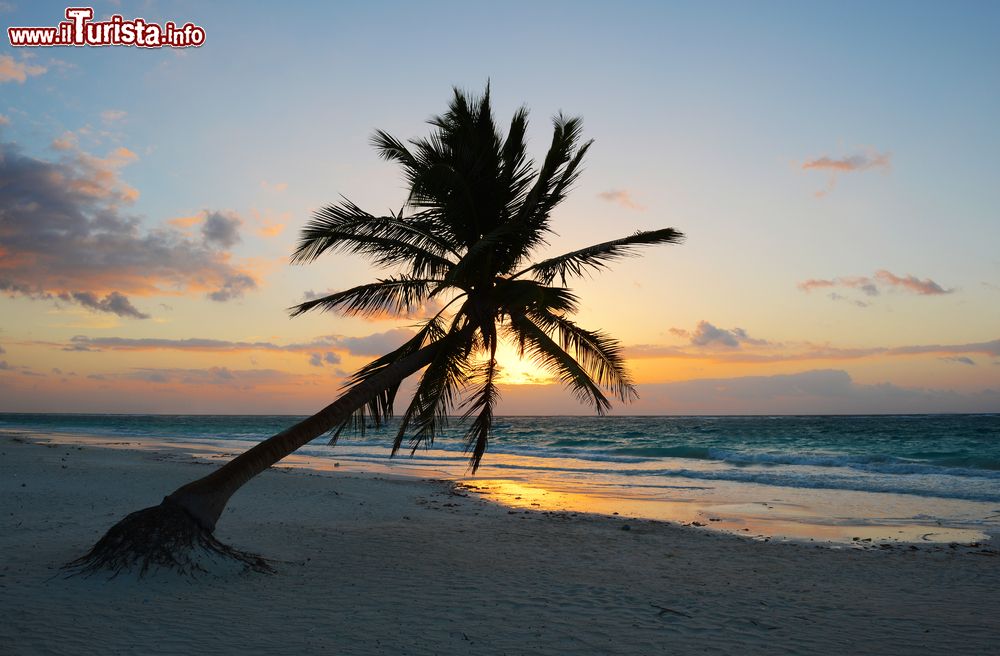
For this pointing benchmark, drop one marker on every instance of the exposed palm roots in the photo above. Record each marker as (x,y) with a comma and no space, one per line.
(163,536)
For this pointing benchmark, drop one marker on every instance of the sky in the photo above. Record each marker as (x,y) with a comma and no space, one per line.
(833,165)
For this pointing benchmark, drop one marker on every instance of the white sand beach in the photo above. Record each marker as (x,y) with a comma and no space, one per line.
(373,565)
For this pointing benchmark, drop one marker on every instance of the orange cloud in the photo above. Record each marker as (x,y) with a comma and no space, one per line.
(12,70)
(271,230)
(96,177)
(268,224)
(185,222)
(68,141)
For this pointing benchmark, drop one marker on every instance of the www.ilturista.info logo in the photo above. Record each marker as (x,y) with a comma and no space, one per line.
(79,29)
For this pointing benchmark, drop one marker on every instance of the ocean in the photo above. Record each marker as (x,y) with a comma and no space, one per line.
(840,478)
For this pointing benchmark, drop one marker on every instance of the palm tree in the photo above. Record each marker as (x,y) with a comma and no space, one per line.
(477,210)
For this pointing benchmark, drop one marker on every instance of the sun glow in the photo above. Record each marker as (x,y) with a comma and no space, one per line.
(517,370)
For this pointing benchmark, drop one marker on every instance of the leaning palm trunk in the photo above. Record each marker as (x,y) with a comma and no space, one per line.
(205,499)
(178,532)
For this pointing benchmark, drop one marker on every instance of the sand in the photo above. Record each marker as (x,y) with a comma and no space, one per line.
(373,565)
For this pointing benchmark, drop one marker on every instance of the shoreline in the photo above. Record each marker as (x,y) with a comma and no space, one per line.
(833,518)
(369,563)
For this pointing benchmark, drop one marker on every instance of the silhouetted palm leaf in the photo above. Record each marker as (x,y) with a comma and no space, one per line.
(596,257)
(481,404)
(534,342)
(390,296)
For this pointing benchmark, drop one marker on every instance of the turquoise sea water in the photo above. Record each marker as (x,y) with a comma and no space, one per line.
(931,456)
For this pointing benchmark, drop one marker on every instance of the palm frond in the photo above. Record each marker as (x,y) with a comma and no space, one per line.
(397,295)
(481,404)
(483,255)
(517,170)
(565,134)
(596,257)
(436,393)
(392,149)
(458,169)
(597,352)
(528,227)
(519,296)
(535,342)
(385,240)
(564,181)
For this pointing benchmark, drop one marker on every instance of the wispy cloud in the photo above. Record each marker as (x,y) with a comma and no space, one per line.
(834,166)
(834,296)
(852,163)
(241,378)
(82,342)
(960,359)
(113,115)
(925,287)
(621,197)
(862,283)
(873,285)
(13,70)
(268,225)
(276,187)
(373,344)
(270,230)
(736,347)
(67,141)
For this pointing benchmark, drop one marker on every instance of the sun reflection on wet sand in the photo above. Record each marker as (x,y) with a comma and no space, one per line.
(759,520)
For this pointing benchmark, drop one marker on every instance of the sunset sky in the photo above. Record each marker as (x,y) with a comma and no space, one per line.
(834,166)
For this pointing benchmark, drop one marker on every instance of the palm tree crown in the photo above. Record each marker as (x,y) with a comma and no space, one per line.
(478,208)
